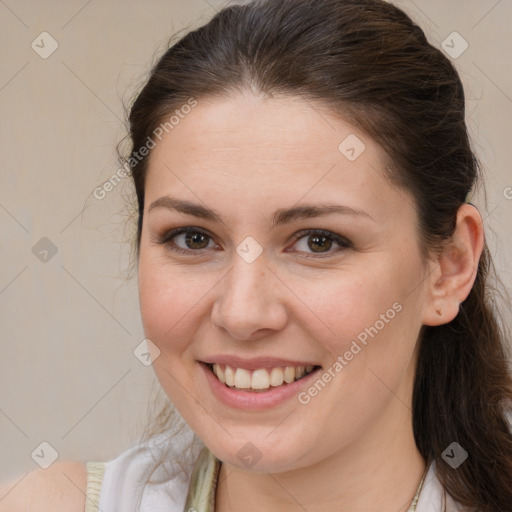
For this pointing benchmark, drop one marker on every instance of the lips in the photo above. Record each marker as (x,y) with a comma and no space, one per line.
(251,399)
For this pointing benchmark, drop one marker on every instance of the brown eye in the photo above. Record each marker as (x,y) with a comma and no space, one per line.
(186,240)
(320,242)
(196,240)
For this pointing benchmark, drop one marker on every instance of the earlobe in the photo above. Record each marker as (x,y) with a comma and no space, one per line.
(455,268)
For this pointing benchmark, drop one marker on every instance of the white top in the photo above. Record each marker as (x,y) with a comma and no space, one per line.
(135,481)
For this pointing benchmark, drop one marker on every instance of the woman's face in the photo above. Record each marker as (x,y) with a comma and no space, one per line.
(257,286)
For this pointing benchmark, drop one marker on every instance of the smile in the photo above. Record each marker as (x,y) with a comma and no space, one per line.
(260,379)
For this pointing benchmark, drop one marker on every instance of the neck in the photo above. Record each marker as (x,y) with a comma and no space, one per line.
(381,470)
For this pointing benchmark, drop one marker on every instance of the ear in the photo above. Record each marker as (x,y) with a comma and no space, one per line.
(454,270)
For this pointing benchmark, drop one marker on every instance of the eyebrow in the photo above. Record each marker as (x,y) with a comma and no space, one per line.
(281,216)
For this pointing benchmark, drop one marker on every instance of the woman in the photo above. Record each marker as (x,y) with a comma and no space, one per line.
(312,277)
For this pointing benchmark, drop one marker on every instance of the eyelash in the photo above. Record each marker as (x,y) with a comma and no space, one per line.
(166,239)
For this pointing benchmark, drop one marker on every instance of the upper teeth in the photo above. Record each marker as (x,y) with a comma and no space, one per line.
(261,378)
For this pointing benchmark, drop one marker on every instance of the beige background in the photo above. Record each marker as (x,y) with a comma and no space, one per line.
(69,326)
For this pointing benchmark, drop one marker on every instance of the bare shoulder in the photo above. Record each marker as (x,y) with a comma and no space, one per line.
(60,487)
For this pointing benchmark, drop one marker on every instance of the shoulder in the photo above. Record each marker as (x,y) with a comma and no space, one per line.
(62,486)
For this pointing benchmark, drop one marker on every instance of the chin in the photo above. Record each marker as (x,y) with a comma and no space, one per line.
(259,456)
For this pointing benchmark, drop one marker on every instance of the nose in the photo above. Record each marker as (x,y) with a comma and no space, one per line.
(249,303)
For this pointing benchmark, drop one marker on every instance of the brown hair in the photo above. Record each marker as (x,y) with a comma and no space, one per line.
(372,65)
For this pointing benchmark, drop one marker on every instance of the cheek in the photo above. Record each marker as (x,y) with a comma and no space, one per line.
(169,301)
(366,312)
(169,305)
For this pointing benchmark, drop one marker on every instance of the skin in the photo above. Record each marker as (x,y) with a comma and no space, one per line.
(351,447)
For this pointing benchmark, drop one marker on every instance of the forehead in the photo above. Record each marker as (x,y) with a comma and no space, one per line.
(269,151)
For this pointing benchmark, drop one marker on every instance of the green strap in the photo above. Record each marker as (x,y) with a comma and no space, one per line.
(412,508)
(95,472)
(203,483)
